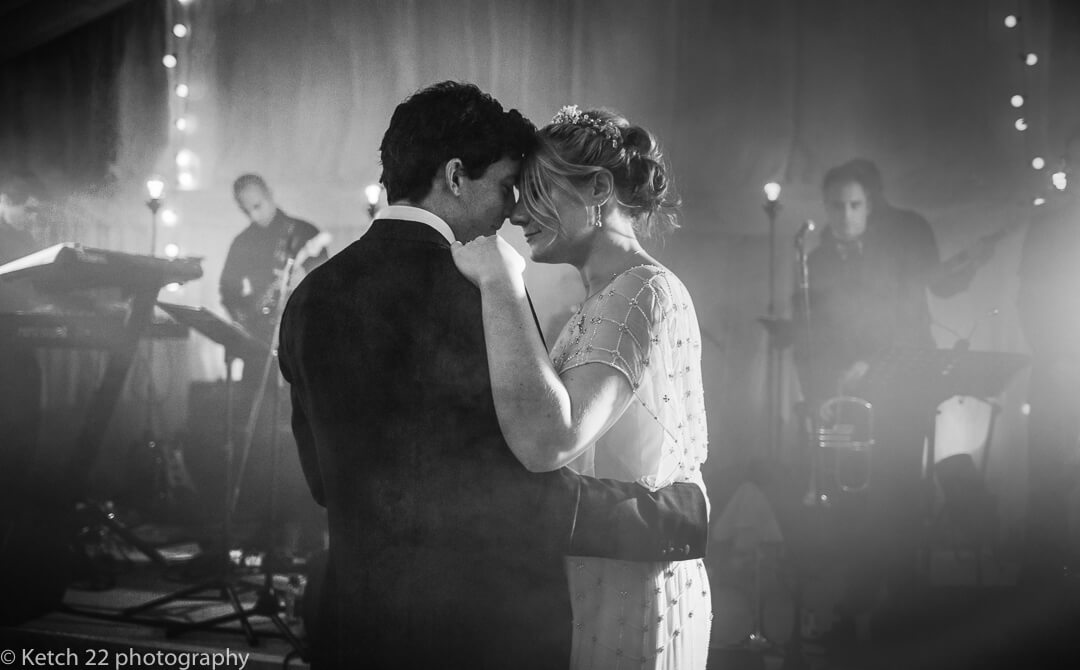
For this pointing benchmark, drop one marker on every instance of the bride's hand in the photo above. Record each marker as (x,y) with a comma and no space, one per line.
(488,260)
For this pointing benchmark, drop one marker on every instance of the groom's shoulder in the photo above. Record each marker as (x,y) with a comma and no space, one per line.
(402,261)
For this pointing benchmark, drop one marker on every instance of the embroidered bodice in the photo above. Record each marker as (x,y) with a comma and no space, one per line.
(643,324)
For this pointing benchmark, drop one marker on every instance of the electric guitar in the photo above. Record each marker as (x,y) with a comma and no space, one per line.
(287,278)
(982,250)
(260,317)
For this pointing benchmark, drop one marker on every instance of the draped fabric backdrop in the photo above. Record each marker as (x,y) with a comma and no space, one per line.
(740,92)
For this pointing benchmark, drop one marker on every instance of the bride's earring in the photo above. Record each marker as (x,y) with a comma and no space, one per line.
(597,221)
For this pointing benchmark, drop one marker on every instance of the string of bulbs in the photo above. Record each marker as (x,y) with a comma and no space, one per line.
(177,63)
(1030,59)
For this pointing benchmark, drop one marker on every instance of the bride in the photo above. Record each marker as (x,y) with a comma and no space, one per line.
(620,394)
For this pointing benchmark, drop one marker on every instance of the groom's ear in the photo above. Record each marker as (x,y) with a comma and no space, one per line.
(453,171)
(602,187)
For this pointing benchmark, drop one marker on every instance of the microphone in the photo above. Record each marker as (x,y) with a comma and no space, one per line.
(808,226)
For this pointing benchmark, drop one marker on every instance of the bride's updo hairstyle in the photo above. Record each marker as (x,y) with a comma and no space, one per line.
(579,144)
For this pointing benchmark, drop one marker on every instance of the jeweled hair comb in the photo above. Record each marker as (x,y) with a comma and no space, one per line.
(570,114)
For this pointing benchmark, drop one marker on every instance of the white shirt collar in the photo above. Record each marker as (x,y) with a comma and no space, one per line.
(410,213)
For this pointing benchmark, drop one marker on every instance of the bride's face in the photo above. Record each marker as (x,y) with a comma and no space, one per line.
(564,238)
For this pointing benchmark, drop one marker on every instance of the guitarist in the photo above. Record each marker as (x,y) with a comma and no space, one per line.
(868,283)
(251,278)
(250,287)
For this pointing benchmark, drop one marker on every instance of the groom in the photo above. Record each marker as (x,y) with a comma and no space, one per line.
(444,551)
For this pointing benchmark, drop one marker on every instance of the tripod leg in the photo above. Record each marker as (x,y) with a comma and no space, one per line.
(239,614)
(288,634)
(249,632)
(793,652)
(178,595)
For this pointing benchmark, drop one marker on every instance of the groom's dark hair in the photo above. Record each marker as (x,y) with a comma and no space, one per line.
(445,121)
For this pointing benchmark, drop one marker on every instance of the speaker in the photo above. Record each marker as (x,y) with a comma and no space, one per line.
(36,562)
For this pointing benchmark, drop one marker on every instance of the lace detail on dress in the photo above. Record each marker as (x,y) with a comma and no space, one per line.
(618,328)
(644,325)
(642,616)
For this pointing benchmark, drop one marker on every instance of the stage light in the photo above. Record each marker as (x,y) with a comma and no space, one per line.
(1011,21)
(1025,409)
(180,30)
(186,180)
(1021,124)
(1039,202)
(168,60)
(155,187)
(1017,101)
(169,217)
(772,191)
(1031,59)
(181,124)
(172,288)
(1038,163)
(372,193)
(182,90)
(185,2)
(185,158)
(172,250)
(1060,180)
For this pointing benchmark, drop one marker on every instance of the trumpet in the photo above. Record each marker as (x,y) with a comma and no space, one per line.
(844,427)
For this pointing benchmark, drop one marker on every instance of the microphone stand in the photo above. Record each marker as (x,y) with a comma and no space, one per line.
(268,603)
(802,258)
(793,652)
(772,365)
(260,395)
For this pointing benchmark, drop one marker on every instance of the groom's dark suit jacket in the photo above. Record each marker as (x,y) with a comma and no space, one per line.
(445,552)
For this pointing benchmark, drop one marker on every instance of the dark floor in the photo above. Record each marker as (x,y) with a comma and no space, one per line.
(953,623)
(92,627)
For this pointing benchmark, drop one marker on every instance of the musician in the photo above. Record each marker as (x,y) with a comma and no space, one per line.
(250,279)
(21,197)
(868,282)
(20,201)
(1049,286)
(869,276)
(250,285)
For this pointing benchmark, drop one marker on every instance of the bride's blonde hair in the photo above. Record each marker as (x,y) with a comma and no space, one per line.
(578,145)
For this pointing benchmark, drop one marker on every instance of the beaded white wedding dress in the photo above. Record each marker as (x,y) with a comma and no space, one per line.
(631,615)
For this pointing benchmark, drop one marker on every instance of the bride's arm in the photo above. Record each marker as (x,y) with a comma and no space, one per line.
(547,420)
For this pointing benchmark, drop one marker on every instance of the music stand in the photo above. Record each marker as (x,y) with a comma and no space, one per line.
(937,375)
(943,372)
(237,343)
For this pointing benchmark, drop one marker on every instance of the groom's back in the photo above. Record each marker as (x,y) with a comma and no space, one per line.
(442,547)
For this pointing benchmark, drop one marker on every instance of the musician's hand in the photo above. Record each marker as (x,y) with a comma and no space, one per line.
(489,261)
(852,376)
(297,275)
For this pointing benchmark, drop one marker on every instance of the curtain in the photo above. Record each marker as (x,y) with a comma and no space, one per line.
(740,92)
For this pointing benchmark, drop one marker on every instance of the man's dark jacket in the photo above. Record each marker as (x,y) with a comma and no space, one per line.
(445,552)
